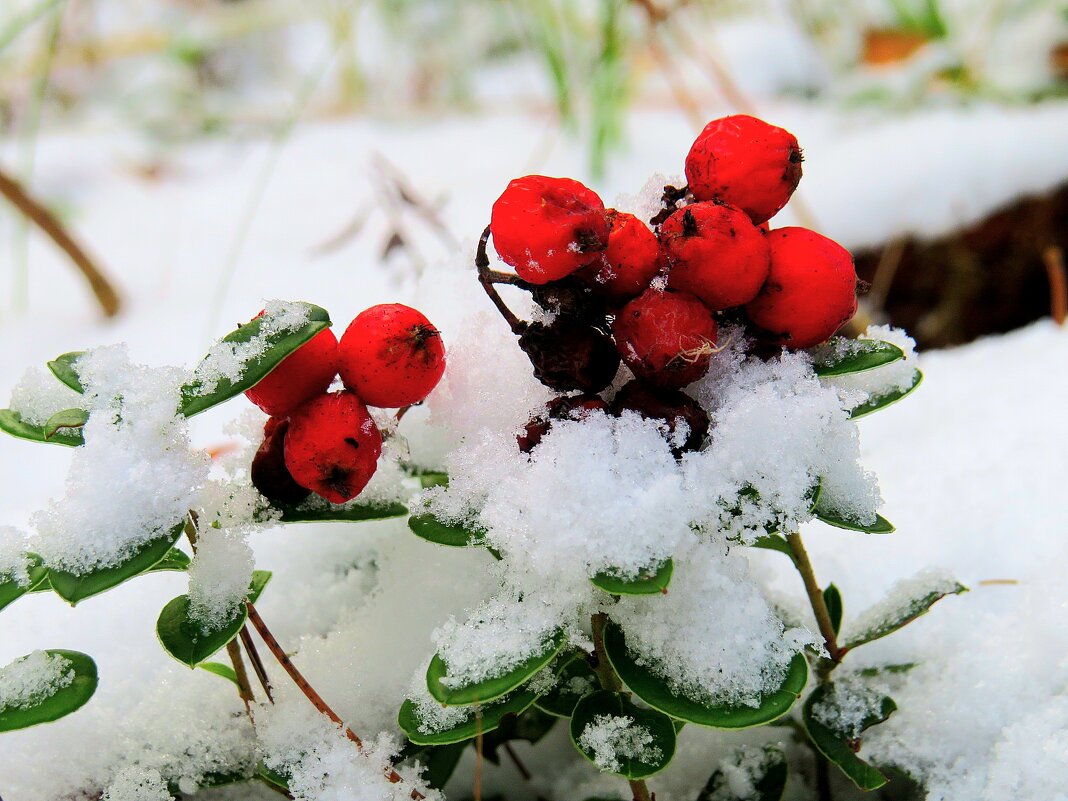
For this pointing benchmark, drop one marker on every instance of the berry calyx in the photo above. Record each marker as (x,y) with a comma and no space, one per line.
(629,263)
(716,253)
(332,446)
(687,423)
(303,374)
(666,337)
(547,228)
(391,356)
(746,163)
(569,354)
(566,407)
(269,472)
(810,292)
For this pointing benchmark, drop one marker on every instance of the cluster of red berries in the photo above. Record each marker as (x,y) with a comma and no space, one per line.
(653,295)
(325,442)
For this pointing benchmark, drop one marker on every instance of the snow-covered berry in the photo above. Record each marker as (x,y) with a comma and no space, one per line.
(686,422)
(565,407)
(745,162)
(716,253)
(811,290)
(332,446)
(391,356)
(547,228)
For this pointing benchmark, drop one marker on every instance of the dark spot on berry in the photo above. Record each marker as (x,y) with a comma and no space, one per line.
(352,441)
(339,479)
(689,223)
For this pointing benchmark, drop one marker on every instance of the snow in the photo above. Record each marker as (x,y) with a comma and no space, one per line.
(14,564)
(612,738)
(856,388)
(38,395)
(901,601)
(852,700)
(741,770)
(137,784)
(29,680)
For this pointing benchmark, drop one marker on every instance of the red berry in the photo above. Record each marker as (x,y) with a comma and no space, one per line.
(716,253)
(332,446)
(303,374)
(573,407)
(546,228)
(391,356)
(629,263)
(666,337)
(745,162)
(269,472)
(811,290)
(673,407)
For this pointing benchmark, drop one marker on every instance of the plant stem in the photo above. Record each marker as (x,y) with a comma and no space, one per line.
(44,219)
(233,650)
(517,762)
(610,681)
(488,278)
(815,597)
(257,663)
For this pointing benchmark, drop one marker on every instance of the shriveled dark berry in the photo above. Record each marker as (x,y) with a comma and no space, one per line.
(269,472)
(566,407)
(671,406)
(571,297)
(568,354)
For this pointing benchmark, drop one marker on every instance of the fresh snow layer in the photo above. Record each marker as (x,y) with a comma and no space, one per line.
(611,738)
(29,680)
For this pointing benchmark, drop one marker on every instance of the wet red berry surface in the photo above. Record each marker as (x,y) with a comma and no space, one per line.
(629,263)
(666,337)
(302,375)
(391,356)
(716,253)
(810,292)
(745,162)
(332,446)
(547,228)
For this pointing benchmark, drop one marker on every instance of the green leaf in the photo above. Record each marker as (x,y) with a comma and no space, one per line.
(576,679)
(659,725)
(843,356)
(66,419)
(431,529)
(650,583)
(271,777)
(12,423)
(10,590)
(493,688)
(61,701)
(880,526)
(439,761)
(775,542)
(833,598)
(74,588)
(219,669)
(531,725)
(433,479)
(878,402)
(352,512)
(259,581)
(185,640)
(841,750)
(892,669)
(656,692)
(769,785)
(175,560)
(904,614)
(196,399)
(486,719)
(63,368)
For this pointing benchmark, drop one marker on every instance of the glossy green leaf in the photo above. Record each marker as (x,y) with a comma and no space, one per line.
(906,612)
(433,530)
(219,669)
(775,542)
(489,689)
(74,588)
(65,421)
(840,750)
(259,581)
(658,753)
(175,560)
(433,479)
(878,402)
(575,680)
(63,368)
(880,526)
(13,424)
(842,356)
(61,702)
(768,780)
(833,598)
(655,581)
(484,718)
(10,590)
(656,692)
(185,640)
(196,398)
(315,511)
(272,777)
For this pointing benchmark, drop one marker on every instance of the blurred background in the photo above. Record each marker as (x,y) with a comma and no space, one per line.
(202,152)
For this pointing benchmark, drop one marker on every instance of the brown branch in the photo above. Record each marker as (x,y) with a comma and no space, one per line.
(488,278)
(233,650)
(44,219)
(1053,257)
(512,755)
(815,597)
(257,663)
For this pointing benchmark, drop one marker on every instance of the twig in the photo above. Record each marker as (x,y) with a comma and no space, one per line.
(517,762)
(476,790)
(257,663)
(488,278)
(44,219)
(233,650)
(1053,257)
(815,597)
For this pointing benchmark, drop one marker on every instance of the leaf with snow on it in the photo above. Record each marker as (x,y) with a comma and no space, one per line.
(876,402)
(65,369)
(843,356)
(750,773)
(11,422)
(834,725)
(45,686)
(907,600)
(66,420)
(619,737)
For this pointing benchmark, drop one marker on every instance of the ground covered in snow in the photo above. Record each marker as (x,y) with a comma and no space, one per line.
(971,467)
